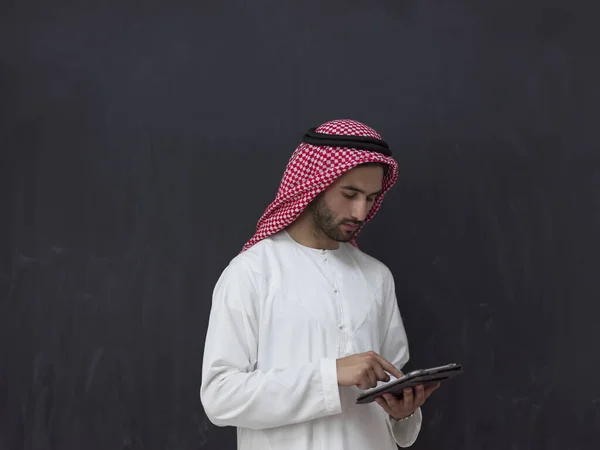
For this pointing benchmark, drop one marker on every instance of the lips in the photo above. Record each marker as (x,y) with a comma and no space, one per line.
(350,226)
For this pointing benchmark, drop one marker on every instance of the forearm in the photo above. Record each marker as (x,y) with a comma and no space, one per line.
(277,397)
(395,349)
(405,432)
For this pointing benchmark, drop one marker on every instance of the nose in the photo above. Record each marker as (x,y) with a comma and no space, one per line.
(360,209)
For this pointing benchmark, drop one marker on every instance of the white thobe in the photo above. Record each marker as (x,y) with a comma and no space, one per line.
(281,315)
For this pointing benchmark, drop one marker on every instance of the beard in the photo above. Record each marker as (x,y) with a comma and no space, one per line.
(326,222)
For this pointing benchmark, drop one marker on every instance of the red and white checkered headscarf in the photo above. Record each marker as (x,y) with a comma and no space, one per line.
(311,169)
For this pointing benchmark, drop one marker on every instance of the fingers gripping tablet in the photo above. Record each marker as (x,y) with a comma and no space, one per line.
(424,376)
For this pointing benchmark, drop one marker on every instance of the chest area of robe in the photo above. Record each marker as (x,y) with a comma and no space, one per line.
(320,304)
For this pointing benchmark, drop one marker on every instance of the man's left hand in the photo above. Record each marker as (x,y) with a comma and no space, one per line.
(399,408)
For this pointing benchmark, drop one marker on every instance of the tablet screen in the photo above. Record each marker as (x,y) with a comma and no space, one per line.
(414,378)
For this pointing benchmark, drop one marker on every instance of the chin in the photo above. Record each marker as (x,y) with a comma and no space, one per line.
(344,236)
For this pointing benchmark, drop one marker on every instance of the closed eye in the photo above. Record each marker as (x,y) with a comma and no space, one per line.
(351,191)
(353,195)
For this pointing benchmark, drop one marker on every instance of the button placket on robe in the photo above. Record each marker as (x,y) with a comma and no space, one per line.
(340,324)
(341,335)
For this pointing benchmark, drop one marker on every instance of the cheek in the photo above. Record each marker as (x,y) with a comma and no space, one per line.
(340,208)
(334,203)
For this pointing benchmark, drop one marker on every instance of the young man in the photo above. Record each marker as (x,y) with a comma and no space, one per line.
(302,320)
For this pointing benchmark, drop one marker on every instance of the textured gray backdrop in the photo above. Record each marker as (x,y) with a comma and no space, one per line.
(141,141)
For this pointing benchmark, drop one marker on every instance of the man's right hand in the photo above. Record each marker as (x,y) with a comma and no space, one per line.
(364,370)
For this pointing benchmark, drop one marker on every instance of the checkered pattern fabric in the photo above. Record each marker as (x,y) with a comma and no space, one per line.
(311,169)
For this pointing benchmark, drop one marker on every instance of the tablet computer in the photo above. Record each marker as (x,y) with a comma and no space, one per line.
(424,376)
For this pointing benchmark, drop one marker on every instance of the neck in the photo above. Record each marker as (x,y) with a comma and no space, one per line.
(305,232)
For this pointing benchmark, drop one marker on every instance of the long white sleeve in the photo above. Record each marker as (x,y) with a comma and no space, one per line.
(233,391)
(395,350)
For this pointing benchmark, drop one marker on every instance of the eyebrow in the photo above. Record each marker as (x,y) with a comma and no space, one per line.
(355,189)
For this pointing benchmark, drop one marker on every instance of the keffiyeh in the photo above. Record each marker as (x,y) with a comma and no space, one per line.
(313,167)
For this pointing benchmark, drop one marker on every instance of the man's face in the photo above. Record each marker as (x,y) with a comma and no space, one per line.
(342,208)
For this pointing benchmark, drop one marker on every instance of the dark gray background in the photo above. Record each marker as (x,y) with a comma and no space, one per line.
(141,141)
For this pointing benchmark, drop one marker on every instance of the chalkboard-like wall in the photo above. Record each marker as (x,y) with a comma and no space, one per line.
(140,142)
